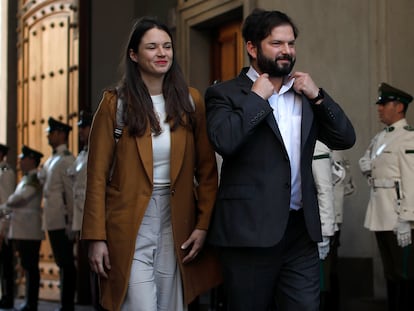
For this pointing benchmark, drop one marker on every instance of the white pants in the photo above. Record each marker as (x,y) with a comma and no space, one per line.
(155,281)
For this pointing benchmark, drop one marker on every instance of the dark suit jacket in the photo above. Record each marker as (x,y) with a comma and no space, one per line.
(252,205)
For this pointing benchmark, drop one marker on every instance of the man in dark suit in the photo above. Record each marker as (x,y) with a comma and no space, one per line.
(264,124)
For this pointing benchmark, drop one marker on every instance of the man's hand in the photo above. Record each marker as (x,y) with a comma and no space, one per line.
(263,87)
(365,166)
(323,247)
(403,231)
(304,84)
(99,258)
(196,241)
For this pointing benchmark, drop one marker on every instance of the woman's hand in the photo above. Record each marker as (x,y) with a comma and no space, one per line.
(196,241)
(99,258)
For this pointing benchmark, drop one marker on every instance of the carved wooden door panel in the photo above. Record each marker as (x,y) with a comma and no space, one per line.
(48,75)
(47,87)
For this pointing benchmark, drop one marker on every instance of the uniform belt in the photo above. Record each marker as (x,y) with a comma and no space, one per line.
(382,183)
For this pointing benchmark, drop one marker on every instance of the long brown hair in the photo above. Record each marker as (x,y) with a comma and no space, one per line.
(138,108)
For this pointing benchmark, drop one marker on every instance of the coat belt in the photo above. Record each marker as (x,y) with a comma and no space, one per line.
(382,182)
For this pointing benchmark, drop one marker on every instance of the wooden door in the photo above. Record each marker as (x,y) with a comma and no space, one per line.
(47,86)
(47,70)
(227,54)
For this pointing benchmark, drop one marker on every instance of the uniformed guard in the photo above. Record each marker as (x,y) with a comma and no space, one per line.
(388,165)
(58,208)
(7,186)
(332,174)
(25,229)
(77,171)
(322,172)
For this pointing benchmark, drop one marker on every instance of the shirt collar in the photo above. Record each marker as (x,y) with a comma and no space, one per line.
(286,86)
(31,172)
(60,149)
(399,124)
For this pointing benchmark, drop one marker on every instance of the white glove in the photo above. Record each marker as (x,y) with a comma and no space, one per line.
(403,231)
(365,165)
(323,247)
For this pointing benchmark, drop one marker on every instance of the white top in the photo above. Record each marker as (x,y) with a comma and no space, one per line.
(287,110)
(322,173)
(161,145)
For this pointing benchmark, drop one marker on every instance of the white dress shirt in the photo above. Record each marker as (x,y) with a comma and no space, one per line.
(287,110)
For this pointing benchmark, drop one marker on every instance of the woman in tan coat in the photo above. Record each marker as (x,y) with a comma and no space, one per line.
(150,195)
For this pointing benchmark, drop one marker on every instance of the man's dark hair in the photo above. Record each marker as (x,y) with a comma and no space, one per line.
(259,24)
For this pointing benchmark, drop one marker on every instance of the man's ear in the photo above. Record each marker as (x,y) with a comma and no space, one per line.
(133,56)
(251,49)
(400,107)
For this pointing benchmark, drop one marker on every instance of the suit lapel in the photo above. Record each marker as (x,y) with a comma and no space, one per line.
(271,121)
(246,84)
(307,119)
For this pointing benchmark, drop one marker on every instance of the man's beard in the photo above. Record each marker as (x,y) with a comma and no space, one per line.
(271,67)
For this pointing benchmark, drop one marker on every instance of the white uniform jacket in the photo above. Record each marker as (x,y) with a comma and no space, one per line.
(7,181)
(391,158)
(7,186)
(77,171)
(342,188)
(322,173)
(57,190)
(25,203)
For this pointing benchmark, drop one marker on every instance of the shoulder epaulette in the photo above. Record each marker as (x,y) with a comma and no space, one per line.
(409,128)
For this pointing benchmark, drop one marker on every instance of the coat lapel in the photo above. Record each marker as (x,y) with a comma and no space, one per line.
(144,145)
(178,141)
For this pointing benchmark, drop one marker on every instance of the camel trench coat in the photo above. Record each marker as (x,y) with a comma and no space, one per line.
(114,210)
